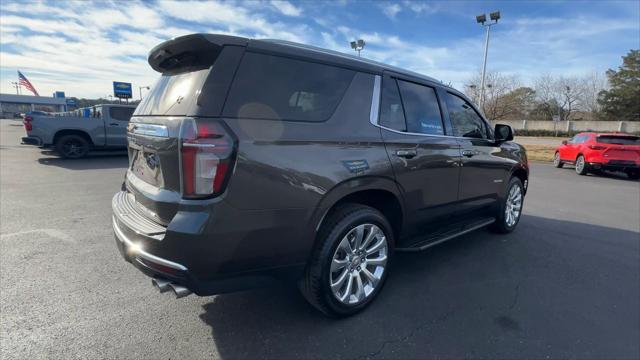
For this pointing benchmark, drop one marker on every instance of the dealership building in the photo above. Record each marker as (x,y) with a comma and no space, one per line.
(12,105)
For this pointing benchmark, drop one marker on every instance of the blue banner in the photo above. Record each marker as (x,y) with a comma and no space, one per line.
(122,90)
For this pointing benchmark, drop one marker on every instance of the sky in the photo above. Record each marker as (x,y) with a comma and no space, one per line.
(81,47)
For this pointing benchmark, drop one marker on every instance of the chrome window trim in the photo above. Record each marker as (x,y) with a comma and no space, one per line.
(375,101)
(148,129)
(374,115)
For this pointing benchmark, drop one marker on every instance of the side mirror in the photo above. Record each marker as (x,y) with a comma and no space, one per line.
(564,142)
(503,132)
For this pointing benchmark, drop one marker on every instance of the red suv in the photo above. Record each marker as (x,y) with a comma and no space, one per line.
(593,152)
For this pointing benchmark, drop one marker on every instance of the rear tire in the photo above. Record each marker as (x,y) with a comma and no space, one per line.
(582,168)
(72,146)
(556,160)
(341,278)
(510,210)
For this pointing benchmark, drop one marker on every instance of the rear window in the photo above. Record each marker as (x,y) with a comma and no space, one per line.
(278,88)
(173,94)
(620,140)
(120,113)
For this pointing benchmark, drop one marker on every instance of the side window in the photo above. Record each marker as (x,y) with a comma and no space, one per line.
(421,108)
(279,88)
(120,113)
(579,139)
(464,119)
(391,112)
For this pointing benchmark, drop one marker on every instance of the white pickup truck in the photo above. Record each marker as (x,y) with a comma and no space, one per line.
(73,134)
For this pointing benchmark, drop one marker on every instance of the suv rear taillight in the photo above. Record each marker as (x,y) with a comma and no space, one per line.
(597,147)
(207,155)
(26,120)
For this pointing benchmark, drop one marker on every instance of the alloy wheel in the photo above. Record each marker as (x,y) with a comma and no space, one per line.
(73,148)
(579,164)
(358,264)
(514,206)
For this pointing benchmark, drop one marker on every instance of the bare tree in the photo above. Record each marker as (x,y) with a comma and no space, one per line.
(559,95)
(592,84)
(570,91)
(496,104)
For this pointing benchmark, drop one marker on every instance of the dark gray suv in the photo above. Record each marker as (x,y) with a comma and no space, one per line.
(254,160)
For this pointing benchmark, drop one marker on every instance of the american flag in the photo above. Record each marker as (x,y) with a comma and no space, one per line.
(22,80)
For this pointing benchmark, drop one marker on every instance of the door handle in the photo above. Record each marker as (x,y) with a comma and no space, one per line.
(469,153)
(408,154)
(113,124)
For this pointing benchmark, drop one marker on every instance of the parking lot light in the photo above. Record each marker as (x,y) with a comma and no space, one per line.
(358,45)
(481,19)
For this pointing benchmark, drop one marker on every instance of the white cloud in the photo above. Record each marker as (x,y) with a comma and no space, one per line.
(286,8)
(391,10)
(420,7)
(234,18)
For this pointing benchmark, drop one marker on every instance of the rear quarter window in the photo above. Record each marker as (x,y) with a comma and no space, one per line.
(278,88)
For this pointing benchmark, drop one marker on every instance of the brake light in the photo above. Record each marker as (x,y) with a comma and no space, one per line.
(26,120)
(207,155)
(597,147)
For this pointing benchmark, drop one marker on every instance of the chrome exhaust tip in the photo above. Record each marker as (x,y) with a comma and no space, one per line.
(179,291)
(161,284)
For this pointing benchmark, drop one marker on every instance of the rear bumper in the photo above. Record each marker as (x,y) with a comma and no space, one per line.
(189,259)
(615,165)
(32,140)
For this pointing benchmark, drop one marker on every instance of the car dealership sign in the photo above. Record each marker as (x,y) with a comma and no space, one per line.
(122,90)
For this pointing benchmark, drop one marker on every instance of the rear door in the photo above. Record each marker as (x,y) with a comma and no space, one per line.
(116,119)
(483,169)
(424,159)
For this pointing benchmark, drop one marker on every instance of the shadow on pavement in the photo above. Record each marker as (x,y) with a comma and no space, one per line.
(550,289)
(95,160)
(617,175)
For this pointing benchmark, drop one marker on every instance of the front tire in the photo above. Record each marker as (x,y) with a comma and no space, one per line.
(72,146)
(556,160)
(511,208)
(582,168)
(350,263)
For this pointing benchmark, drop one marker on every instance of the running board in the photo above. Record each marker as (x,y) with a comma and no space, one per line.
(433,241)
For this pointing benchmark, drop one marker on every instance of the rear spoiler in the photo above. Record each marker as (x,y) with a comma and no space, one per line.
(190,52)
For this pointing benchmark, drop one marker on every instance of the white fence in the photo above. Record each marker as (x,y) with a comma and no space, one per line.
(600,126)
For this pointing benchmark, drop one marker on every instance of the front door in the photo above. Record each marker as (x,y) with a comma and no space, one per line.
(484,170)
(424,160)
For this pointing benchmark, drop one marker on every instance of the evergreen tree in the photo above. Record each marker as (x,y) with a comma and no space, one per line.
(622,100)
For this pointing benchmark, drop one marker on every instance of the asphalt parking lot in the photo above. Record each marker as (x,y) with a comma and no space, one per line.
(565,284)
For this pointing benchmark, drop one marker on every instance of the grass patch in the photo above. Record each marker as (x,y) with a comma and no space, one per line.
(540,152)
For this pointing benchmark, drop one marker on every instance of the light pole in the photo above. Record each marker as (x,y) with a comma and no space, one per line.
(357,46)
(17,86)
(482,19)
(143,87)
